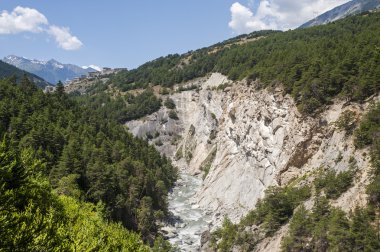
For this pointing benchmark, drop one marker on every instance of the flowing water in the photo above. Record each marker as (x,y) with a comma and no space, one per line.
(189,221)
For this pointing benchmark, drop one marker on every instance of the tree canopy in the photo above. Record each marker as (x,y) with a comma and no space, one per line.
(314,64)
(63,154)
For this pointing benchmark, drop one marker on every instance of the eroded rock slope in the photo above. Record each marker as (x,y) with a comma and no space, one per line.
(243,139)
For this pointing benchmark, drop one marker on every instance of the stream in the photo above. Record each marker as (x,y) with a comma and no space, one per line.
(188,220)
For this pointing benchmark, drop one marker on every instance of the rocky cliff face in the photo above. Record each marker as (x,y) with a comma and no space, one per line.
(257,133)
(243,139)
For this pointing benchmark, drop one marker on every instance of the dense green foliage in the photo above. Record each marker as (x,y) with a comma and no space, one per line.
(87,155)
(25,198)
(347,122)
(169,103)
(314,64)
(274,210)
(176,68)
(87,229)
(368,134)
(9,71)
(142,104)
(334,184)
(326,228)
(122,108)
(34,218)
(369,128)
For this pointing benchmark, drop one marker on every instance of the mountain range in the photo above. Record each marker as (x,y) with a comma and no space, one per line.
(52,70)
(342,11)
(7,70)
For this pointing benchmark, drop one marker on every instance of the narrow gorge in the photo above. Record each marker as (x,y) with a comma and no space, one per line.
(264,142)
(233,140)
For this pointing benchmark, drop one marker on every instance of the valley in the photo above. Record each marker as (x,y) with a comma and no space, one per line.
(239,141)
(268,141)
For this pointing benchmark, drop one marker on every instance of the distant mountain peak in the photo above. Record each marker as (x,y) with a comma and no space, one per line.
(51,70)
(350,8)
(13,57)
(93,67)
(55,63)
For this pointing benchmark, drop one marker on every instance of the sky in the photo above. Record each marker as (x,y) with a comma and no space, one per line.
(128,33)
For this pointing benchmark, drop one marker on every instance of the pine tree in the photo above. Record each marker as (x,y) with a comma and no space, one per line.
(339,236)
(27,86)
(299,232)
(363,232)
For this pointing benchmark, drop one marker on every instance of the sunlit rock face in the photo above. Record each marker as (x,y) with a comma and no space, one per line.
(240,139)
(237,136)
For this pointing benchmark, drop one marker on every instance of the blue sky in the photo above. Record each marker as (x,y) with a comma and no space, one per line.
(126,33)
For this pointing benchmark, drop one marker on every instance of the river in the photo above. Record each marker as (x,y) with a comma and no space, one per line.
(189,221)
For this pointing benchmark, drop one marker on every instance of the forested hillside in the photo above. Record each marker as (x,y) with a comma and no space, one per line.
(315,64)
(69,174)
(74,179)
(122,108)
(7,70)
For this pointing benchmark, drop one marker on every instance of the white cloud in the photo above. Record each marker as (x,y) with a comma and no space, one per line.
(23,19)
(277,14)
(64,38)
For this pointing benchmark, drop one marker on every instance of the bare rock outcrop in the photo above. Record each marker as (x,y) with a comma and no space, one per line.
(243,139)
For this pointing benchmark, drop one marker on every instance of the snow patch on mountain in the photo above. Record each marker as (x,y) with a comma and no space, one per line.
(95,67)
(51,70)
(342,11)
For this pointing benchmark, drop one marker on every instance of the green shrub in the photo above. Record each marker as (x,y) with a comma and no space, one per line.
(169,103)
(276,207)
(273,211)
(299,231)
(213,116)
(333,183)
(187,88)
(347,121)
(226,235)
(173,115)
(326,228)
